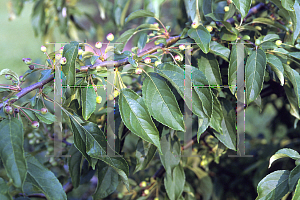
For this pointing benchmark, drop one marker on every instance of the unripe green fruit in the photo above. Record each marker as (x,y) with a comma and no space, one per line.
(43,49)
(157,62)
(32,141)
(98,45)
(35,124)
(156,43)
(30,135)
(110,37)
(138,71)
(258,28)
(257,42)
(8,110)
(143,184)
(226,8)
(80,51)
(98,99)
(246,37)
(278,42)
(120,195)
(156,198)
(146,192)
(209,28)
(10,182)
(27,61)
(44,111)
(50,149)
(195,25)
(61,50)
(147,60)
(37,141)
(54,163)
(156,24)
(182,47)
(58,56)
(116,93)
(297,162)
(63,61)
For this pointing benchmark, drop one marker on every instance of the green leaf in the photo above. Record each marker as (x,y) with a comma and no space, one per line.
(107,180)
(136,117)
(206,185)
(171,157)
(295,17)
(94,59)
(144,153)
(202,126)
(210,67)
(294,54)
(271,37)
(219,50)
(294,77)
(297,191)
(88,97)
(283,153)
(161,102)
(70,53)
(47,118)
(138,14)
(243,6)
(12,151)
(254,73)
(162,40)
(217,115)
(29,113)
(142,40)
(74,163)
(44,179)
(202,37)
(174,183)
(273,186)
(45,74)
(292,98)
(10,72)
(193,10)
(232,70)
(276,66)
(293,178)
(123,39)
(228,124)
(4,188)
(132,61)
(201,97)
(269,22)
(228,35)
(288,4)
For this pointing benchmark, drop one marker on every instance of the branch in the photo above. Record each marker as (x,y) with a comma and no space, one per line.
(119,63)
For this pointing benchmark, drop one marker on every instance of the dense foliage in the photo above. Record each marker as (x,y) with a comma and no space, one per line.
(175,44)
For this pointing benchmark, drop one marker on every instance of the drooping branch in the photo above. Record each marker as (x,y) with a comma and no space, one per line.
(118,63)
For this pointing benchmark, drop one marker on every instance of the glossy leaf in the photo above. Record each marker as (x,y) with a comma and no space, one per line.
(294,54)
(219,50)
(232,70)
(217,115)
(294,77)
(12,151)
(47,118)
(144,154)
(228,35)
(273,186)
(202,37)
(293,178)
(288,4)
(295,17)
(210,67)
(107,180)
(10,72)
(243,6)
(297,192)
(271,37)
(193,10)
(123,39)
(283,153)
(161,102)
(136,117)
(171,157)
(201,97)
(276,66)
(138,14)
(142,40)
(74,163)
(254,74)
(293,100)
(44,179)
(88,97)
(45,74)
(202,126)
(174,183)
(70,53)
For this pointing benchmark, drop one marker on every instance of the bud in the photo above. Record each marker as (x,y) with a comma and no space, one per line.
(61,50)
(182,47)
(43,49)
(98,45)
(138,71)
(195,25)
(27,61)
(110,37)
(31,67)
(63,60)
(80,51)
(147,60)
